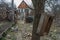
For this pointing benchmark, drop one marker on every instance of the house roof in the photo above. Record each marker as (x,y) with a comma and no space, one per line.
(23,5)
(26,3)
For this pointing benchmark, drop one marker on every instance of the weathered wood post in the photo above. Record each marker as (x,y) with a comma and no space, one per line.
(49,23)
(39,8)
(45,24)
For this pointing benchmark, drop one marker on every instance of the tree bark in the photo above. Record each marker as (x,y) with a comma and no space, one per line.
(39,8)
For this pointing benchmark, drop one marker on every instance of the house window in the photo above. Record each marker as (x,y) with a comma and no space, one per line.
(21,10)
(26,10)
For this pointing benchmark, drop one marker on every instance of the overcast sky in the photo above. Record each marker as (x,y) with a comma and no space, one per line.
(17,2)
(29,2)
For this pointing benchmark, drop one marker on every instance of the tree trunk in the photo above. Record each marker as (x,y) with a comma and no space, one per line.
(39,8)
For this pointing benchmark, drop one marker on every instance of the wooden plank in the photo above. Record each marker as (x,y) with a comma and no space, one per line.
(49,23)
(40,25)
(44,26)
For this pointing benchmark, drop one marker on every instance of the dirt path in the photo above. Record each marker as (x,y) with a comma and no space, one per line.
(24,29)
(23,33)
(19,36)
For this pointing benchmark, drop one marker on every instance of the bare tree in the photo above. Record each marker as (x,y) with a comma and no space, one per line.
(39,8)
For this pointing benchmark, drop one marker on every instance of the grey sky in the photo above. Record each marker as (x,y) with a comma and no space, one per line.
(59,2)
(29,2)
(17,2)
